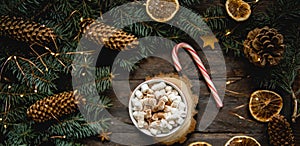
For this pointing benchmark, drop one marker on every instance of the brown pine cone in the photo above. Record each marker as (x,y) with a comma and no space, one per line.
(264,47)
(111,37)
(55,106)
(26,31)
(280,132)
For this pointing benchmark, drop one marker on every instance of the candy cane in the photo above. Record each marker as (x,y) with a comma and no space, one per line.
(200,66)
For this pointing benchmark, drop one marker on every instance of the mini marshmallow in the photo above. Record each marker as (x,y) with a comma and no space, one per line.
(158,94)
(158,86)
(162,91)
(163,123)
(172,117)
(155,124)
(175,104)
(168,88)
(172,122)
(148,114)
(180,121)
(170,127)
(175,92)
(174,97)
(138,108)
(146,107)
(149,101)
(146,125)
(167,108)
(150,96)
(153,131)
(169,93)
(150,91)
(181,106)
(138,94)
(164,98)
(145,88)
(160,105)
(174,111)
(157,116)
(141,123)
(137,105)
(138,115)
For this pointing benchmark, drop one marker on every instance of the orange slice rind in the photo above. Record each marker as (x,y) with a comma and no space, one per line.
(242,141)
(162,10)
(264,104)
(199,143)
(238,9)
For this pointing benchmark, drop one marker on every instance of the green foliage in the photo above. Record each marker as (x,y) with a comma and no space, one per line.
(282,15)
(27,77)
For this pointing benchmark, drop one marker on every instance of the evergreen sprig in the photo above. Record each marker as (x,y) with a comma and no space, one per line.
(282,15)
(27,77)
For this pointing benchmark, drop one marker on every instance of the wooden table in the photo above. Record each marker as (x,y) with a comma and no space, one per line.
(233,119)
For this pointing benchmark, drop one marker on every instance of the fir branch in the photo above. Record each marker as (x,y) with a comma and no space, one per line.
(91,78)
(62,142)
(188,3)
(21,134)
(215,18)
(76,128)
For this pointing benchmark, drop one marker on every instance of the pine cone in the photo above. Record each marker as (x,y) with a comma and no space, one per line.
(111,37)
(54,106)
(26,31)
(280,132)
(264,47)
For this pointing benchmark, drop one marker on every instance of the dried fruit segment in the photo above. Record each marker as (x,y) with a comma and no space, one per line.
(264,104)
(238,9)
(162,10)
(199,144)
(242,141)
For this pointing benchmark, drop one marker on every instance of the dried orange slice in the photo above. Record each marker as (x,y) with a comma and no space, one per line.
(238,9)
(264,104)
(199,143)
(242,141)
(162,10)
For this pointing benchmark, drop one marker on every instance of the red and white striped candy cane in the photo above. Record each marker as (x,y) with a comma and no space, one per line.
(200,66)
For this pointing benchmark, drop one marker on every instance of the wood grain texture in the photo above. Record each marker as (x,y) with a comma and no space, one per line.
(233,119)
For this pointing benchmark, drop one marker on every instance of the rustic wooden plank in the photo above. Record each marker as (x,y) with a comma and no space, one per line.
(153,66)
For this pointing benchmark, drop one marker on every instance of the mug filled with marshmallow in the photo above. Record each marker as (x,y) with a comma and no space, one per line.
(157,107)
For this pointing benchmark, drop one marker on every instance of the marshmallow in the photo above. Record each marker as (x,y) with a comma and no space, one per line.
(158,86)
